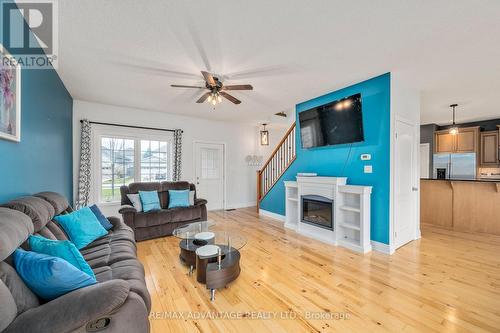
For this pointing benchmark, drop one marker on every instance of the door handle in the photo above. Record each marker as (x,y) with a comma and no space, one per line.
(414,189)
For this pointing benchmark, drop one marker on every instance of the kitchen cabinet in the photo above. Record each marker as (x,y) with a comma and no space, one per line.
(444,142)
(489,149)
(465,141)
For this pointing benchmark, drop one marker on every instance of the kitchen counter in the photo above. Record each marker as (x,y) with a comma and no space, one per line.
(470,205)
(490,180)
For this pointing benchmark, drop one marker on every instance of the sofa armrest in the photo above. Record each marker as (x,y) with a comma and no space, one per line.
(115,221)
(127,209)
(199,202)
(73,310)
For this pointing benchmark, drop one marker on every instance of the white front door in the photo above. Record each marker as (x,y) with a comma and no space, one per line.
(209,173)
(405,189)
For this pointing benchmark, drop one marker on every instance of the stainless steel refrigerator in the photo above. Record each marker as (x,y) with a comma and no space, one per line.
(454,166)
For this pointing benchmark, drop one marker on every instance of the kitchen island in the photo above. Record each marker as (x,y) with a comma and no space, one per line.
(463,205)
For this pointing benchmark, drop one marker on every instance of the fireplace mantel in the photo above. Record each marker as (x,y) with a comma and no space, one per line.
(351,211)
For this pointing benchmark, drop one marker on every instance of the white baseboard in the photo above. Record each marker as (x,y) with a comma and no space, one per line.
(381,247)
(272,215)
(241,205)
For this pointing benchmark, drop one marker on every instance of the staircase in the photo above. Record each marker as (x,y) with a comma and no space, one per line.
(279,161)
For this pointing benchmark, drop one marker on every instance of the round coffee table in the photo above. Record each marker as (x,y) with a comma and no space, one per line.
(215,253)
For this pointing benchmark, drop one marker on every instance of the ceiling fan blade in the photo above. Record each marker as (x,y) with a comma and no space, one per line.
(203,98)
(238,87)
(209,78)
(231,98)
(183,86)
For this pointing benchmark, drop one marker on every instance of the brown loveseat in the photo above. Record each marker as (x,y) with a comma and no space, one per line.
(162,222)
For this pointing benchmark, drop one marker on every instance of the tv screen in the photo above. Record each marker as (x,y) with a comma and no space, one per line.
(333,123)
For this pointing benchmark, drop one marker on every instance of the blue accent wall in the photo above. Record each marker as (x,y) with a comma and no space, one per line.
(43,160)
(337,161)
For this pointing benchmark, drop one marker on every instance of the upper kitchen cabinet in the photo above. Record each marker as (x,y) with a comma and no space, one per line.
(489,149)
(443,142)
(465,141)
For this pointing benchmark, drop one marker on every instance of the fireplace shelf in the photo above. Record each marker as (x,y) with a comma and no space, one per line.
(350,209)
(349,226)
(353,218)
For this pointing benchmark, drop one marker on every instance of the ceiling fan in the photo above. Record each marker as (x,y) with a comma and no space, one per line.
(217,90)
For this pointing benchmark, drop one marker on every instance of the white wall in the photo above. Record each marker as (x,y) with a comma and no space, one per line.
(240,140)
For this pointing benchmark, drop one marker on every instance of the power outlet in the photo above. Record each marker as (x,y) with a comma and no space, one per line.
(368,169)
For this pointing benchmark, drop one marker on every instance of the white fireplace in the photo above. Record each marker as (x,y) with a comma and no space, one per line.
(326,209)
(319,187)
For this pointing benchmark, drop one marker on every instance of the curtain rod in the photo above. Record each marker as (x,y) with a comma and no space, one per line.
(130,126)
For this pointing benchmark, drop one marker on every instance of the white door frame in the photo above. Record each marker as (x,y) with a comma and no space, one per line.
(224,165)
(415,181)
(428,145)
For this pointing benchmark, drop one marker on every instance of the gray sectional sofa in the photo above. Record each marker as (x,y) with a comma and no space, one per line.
(120,302)
(162,222)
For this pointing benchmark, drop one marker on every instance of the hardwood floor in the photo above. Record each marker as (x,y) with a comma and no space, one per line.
(446,282)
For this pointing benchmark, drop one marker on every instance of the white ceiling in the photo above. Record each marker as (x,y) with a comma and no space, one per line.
(128,52)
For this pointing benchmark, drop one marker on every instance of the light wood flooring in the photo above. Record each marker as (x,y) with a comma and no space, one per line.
(445,282)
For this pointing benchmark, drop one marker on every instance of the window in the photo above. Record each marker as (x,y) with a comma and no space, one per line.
(124,160)
(209,163)
(156,161)
(117,166)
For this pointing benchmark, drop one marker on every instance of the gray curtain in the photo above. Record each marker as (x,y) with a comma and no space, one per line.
(85,165)
(177,155)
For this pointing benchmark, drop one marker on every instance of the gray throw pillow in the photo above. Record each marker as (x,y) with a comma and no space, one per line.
(191,198)
(136,201)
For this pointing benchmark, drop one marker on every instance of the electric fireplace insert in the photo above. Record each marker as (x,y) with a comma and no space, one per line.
(318,211)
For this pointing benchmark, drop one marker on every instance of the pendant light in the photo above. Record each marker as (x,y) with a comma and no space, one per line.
(264,136)
(453,128)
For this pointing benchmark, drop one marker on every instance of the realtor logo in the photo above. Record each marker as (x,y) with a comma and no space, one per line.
(29,32)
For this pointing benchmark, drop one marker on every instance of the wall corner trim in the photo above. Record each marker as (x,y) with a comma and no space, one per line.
(383,248)
(272,215)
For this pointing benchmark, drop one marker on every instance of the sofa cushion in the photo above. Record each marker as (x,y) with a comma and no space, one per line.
(135,199)
(15,227)
(25,299)
(57,201)
(166,186)
(181,214)
(101,218)
(63,249)
(54,230)
(49,277)
(150,200)
(130,270)
(178,198)
(39,210)
(82,227)
(107,254)
(8,310)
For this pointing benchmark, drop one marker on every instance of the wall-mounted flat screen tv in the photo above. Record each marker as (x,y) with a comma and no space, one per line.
(334,123)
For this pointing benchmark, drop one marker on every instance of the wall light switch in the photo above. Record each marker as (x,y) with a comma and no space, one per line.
(366,157)
(368,169)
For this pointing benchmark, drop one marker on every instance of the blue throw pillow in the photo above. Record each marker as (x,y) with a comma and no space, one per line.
(63,249)
(101,218)
(49,277)
(178,198)
(81,226)
(150,200)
